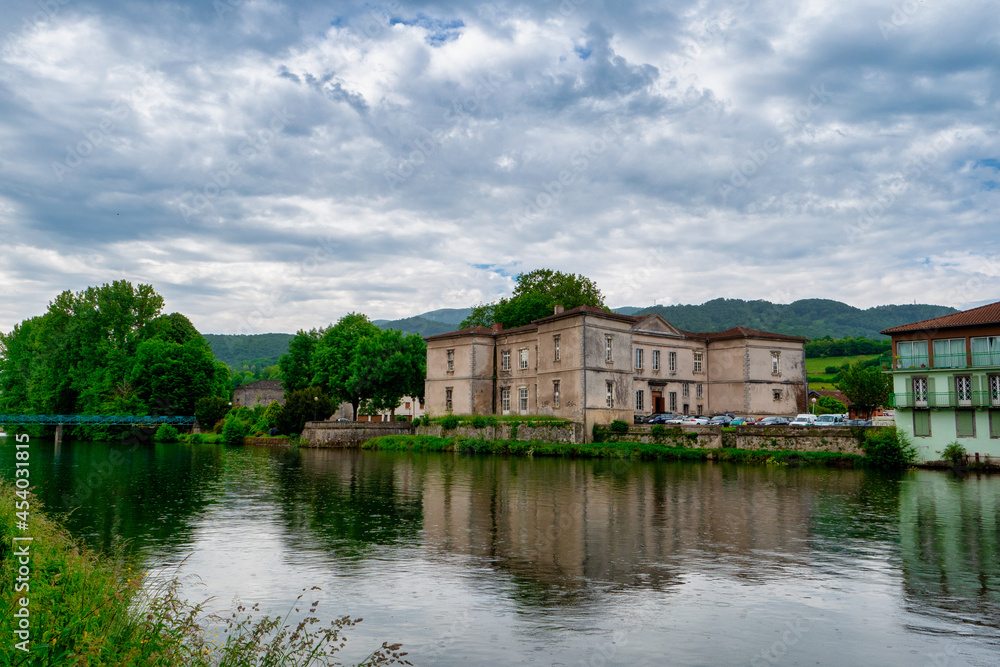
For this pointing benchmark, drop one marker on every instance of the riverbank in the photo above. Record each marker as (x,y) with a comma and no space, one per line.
(617,450)
(77,607)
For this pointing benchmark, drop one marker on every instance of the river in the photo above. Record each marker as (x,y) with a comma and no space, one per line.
(479,560)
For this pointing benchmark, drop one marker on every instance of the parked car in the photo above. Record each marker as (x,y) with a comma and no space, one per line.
(773,421)
(803,420)
(697,420)
(720,420)
(659,418)
(830,420)
(857,422)
(742,421)
(676,419)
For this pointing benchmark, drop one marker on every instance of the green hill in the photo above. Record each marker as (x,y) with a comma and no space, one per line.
(813,318)
(239,350)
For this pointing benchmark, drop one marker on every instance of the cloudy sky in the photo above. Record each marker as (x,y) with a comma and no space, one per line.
(269,165)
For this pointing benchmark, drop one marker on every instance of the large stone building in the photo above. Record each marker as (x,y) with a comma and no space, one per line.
(593,366)
(946,379)
(261,392)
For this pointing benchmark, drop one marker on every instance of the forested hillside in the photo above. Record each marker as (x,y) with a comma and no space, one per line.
(238,350)
(813,318)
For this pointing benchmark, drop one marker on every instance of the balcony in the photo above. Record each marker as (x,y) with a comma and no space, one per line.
(942,361)
(947,399)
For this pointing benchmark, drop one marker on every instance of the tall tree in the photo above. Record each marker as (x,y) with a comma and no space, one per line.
(297,364)
(867,387)
(534,296)
(332,368)
(387,366)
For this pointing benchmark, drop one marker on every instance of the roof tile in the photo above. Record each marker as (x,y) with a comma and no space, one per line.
(988,314)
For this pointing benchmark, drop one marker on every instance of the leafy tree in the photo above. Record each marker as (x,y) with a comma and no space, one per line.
(210,409)
(387,366)
(332,367)
(831,405)
(176,375)
(296,365)
(234,430)
(867,387)
(534,297)
(301,406)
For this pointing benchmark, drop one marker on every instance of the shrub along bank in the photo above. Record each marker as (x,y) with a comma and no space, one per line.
(619,450)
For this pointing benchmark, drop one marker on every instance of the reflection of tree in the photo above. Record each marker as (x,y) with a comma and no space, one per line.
(950,543)
(145,494)
(348,500)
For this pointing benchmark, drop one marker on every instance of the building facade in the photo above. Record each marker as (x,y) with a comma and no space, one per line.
(946,381)
(261,392)
(594,366)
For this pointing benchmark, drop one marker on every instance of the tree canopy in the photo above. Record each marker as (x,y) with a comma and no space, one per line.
(356,361)
(107,350)
(535,295)
(866,387)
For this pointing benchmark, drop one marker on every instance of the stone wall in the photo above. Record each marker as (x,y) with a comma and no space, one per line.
(541,432)
(794,438)
(690,437)
(348,434)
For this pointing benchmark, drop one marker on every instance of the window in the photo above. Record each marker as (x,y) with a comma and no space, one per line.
(609,390)
(995,423)
(698,393)
(697,362)
(995,390)
(700,408)
(656,360)
(523,356)
(447,398)
(607,348)
(986,351)
(673,402)
(776,393)
(505,360)
(451,361)
(505,400)
(638,358)
(963,389)
(775,358)
(672,362)
(912,354)
(555,393)
(920,391)
(965,423)
(921,423)
(949,353)
(686,390)
(555,345)
(522,399)
(639,396)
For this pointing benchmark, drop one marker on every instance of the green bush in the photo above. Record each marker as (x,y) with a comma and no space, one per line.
(619,427)
(479,421)
(954,452)
(888,449)
(491,421)
(416,422)
(210,410)
(166,433)
(234,430)
(196,438)
(449,422)
(658,431)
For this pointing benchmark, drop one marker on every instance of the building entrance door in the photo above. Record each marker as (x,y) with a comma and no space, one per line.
(658,402)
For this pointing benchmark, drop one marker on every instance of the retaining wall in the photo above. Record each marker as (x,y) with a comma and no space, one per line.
(349,434)
(571,433)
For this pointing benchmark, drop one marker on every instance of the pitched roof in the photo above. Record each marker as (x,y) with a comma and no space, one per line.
(744,332)
(592,310)
(470,331)
(988,314)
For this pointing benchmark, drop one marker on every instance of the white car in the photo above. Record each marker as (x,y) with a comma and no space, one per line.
(695,421)
(679,419)
(803,420)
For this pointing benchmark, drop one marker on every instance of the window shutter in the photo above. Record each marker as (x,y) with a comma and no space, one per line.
(931,396)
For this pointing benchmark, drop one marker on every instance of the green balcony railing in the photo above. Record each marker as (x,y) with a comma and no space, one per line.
(908,363)
(946,399)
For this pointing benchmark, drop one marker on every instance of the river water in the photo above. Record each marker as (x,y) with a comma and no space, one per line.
(478,560)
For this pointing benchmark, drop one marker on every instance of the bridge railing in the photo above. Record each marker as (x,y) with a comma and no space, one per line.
(120,420)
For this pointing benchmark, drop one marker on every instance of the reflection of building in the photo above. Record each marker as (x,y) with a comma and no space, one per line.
(261,392)
(946,379)
(590,365)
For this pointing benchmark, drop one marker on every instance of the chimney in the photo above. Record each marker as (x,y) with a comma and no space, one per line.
(497,326)
(558,309)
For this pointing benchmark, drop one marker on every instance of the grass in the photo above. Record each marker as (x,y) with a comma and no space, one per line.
(816,366)
(97,610)
(620,450)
